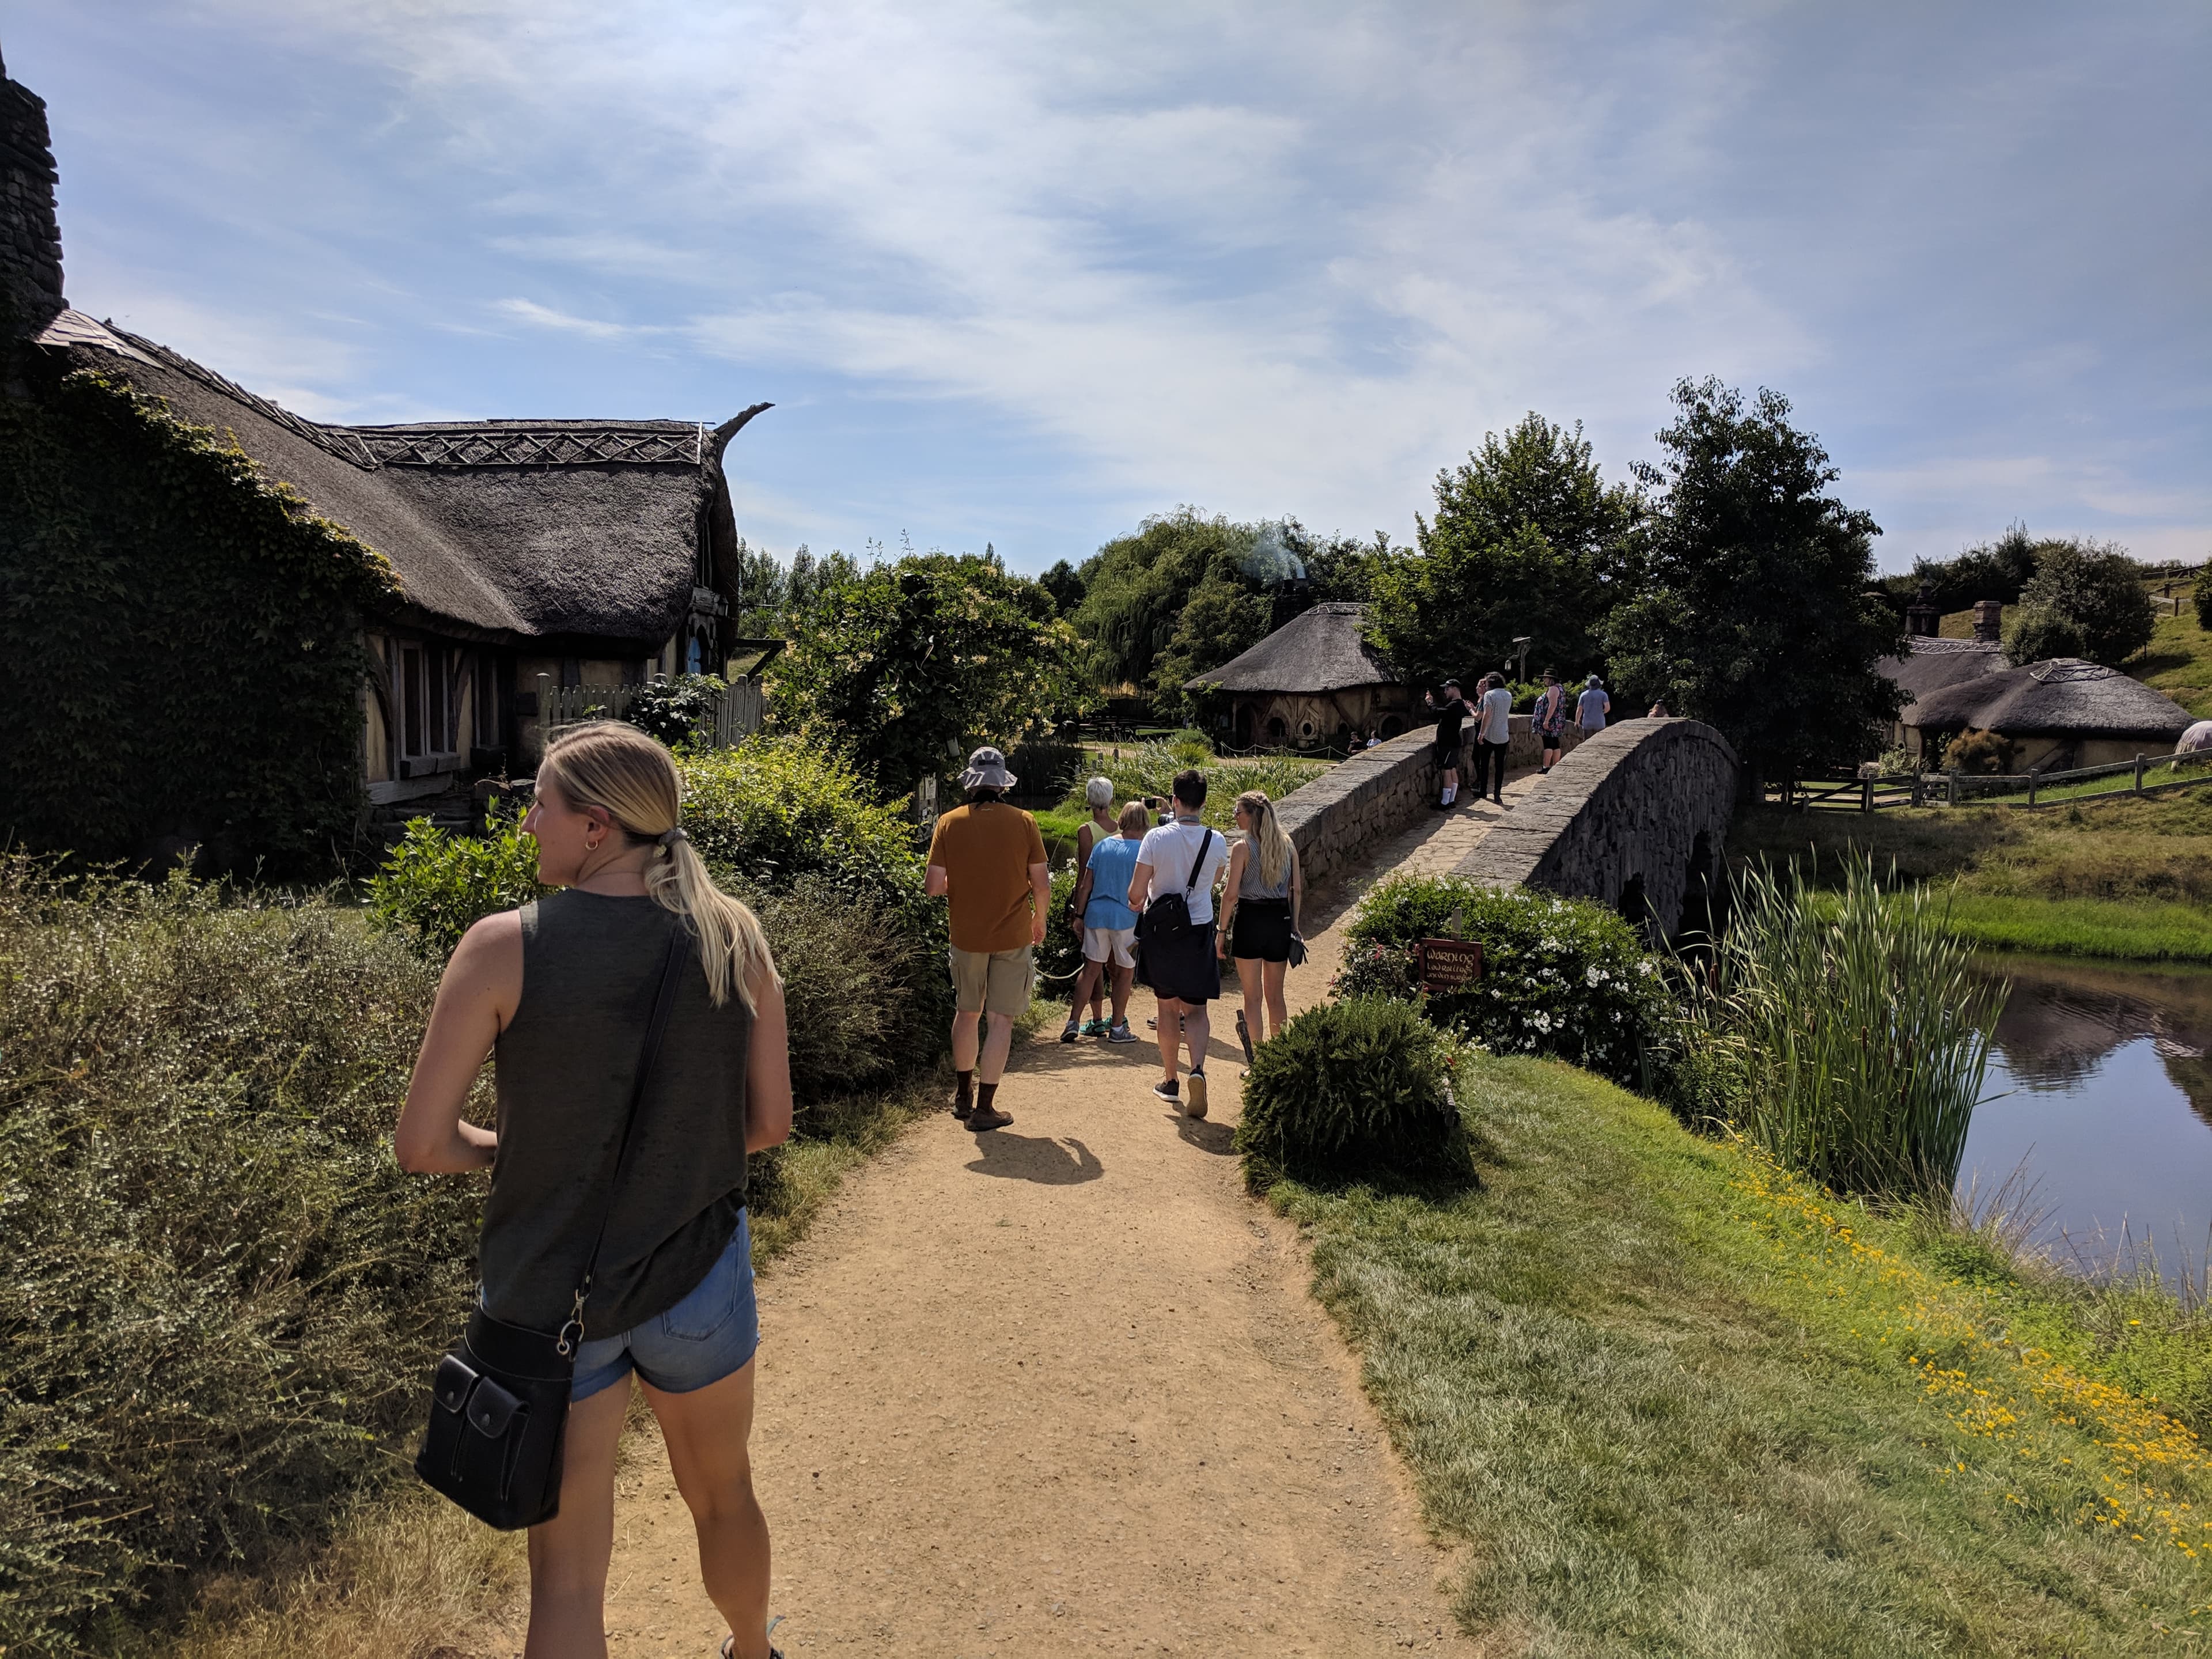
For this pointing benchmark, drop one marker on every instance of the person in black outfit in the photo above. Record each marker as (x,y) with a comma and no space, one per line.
(1451,714)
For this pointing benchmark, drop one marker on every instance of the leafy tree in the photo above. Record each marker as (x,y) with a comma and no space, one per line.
(1988,570)
(1135,587)
(911,662)
(2084,600)
(1751,611)
(2200,594)
(1066,585)
(1223,618)
(1527,541)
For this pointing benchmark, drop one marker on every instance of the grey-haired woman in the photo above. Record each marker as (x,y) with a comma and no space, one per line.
(1101,825)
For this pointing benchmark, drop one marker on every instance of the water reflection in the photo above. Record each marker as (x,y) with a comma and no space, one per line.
(2106,1108)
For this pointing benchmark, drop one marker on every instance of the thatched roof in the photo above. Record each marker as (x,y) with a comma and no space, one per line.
(2063,695)
(1936,663)
(575,532)
(1317,651)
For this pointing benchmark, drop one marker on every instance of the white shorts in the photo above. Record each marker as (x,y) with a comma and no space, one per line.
(1116,945)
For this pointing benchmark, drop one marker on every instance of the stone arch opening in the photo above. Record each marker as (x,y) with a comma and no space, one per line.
(1697,925)
(1634,904)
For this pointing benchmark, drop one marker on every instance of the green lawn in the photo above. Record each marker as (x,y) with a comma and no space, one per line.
(2127,879)
(2138,930)
(2178,662)
(1674,1403)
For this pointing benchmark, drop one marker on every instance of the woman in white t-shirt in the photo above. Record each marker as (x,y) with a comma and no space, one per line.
(1493,736)
(1183,858)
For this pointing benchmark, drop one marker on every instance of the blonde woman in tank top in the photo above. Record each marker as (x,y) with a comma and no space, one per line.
(1263,893)
(562,991)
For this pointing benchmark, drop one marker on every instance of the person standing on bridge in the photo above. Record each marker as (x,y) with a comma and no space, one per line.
(1493,736)
(1177,868)
(986,860)
(1592,707)
(1549,720)
(563,993)
(1451,716)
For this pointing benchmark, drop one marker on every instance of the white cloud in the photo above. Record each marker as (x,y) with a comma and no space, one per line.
(537,316)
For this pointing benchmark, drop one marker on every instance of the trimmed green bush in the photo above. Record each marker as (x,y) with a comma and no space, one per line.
(222,1297)
(1351,1087)
(435,886)
(1560,976)
(776,808)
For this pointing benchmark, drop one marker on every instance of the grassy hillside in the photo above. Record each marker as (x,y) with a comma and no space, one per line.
(1675,1403)
(2178,662)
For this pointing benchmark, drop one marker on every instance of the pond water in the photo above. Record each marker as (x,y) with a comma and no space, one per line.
(2104,1111)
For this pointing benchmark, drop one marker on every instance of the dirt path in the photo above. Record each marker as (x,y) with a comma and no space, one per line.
(1060,1389)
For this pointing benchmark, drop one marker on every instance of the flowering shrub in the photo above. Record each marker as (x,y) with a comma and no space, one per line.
(1560,976)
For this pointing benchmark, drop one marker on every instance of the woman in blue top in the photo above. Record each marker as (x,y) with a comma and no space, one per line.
(1110,926)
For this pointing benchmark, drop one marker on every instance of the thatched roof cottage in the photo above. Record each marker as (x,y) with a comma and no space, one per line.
(1313,679)
(2059,714)
(591,552)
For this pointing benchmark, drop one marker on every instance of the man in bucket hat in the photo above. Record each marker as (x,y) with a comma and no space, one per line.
(987,860)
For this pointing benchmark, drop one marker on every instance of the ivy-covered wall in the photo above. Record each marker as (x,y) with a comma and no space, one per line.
(180,656)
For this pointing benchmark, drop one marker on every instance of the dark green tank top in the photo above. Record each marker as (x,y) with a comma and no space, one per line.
(563,1068)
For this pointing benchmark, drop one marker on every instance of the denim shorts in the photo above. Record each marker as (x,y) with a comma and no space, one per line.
(709,1335)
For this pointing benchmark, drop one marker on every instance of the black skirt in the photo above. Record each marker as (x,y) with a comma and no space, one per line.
(1260,929)
(1185,967)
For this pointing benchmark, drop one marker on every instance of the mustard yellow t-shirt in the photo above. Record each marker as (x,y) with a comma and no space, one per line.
(986,849)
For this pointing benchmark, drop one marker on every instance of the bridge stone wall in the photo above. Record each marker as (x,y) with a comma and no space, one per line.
(1376,793)
(1637,816)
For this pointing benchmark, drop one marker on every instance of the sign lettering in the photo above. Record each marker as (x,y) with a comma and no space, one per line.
(1448,964)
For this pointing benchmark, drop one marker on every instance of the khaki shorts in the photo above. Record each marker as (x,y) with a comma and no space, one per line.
(1115,944)
(993,982)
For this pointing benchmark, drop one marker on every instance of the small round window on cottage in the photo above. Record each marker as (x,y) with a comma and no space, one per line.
(1306,729)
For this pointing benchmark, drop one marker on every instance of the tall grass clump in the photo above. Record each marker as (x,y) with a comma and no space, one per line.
(1839,1031)
(1149,769)
(222,1296)
(1349,1088)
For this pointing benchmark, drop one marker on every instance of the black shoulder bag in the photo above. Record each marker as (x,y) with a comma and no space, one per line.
(499,1406)
(1167,918)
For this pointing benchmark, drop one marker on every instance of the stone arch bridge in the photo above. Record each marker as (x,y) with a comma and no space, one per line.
(1635,816)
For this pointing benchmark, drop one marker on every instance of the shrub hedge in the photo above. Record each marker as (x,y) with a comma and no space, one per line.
(1560,976)
(223,1296)
(1361,1085)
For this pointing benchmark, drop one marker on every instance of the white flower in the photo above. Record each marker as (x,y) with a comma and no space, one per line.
(1594,978)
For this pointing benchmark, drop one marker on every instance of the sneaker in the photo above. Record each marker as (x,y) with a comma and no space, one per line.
(1119,1031)
(988,1117)
(1196,1108)
(1096,1027)
(1068,1032)
(1169,1091)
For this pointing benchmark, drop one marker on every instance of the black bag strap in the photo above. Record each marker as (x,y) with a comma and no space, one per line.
(1204,842)
(663,998)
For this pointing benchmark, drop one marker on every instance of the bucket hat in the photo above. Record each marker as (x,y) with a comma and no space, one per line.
(987,770)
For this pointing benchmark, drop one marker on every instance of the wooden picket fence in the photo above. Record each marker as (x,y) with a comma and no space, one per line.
(2146,774)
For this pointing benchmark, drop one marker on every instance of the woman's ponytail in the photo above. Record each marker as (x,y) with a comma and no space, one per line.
(633,780)
(1271,846)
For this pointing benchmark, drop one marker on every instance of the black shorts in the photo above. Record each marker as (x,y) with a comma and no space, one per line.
(1447,756)
(1261,930)
(1185,969)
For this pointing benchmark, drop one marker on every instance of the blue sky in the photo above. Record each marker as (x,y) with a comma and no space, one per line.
(1024,275)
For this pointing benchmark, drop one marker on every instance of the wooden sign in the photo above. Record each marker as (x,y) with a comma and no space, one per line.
(1448,964)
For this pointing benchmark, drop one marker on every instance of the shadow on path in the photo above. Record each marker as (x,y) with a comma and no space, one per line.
(1035,1157)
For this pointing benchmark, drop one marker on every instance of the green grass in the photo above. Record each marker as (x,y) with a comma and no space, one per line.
(2135,930)
(1149,769)
(1674,1403)
(2178,662)
(2126,879)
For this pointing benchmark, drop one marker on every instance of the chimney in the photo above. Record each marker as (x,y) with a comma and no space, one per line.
(1921,619)
(30,236)
(1989,620)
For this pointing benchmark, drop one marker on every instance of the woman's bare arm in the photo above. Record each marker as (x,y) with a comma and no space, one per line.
(1232,885)
(767,1068)
(481,986)
(1298,889)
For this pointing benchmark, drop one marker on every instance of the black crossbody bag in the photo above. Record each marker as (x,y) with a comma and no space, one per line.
(499,1406)
(1167,918)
